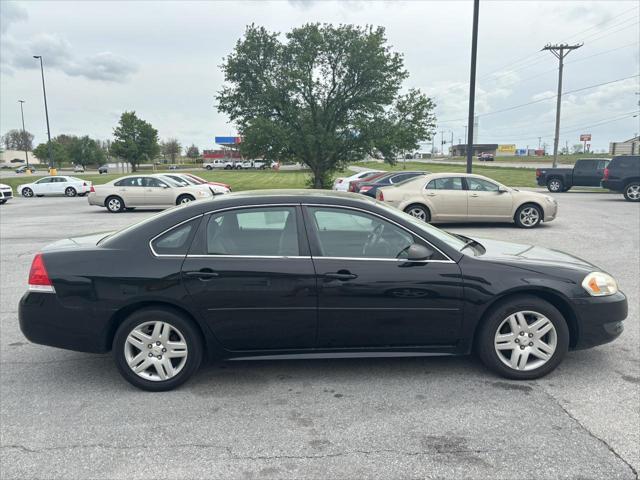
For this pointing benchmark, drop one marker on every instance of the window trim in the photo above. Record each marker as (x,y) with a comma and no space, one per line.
(306,213)
(463,182)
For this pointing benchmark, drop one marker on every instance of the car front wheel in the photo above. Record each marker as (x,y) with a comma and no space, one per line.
(523,338)
(27,192)
(528,216)
(632,192)
(157,349)
(184,199)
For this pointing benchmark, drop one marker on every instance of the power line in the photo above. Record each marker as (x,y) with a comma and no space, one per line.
(600,24)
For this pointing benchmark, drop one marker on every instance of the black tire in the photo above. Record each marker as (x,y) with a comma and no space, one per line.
(3,201)
(27,192)
(209,167)
(493,320)
(114,204)
(185,327)
(228,167)
(526,218)
(184,199)
(419,211)
(632,191)
(70,192)
(555,185)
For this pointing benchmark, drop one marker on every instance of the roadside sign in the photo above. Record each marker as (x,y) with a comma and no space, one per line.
(585,137)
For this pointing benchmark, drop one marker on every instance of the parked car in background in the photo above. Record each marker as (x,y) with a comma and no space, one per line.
(587,172)
(457,197)
(186,180)
(341,184)
(6,193)
(78,169)
(24,168)
(224,163)
(55,185)
(146,191)
(354,185)
(245,276)
(486,157)
(173,167)
(103,169)
(258,164)
(623,175)
(392,178)
(218,187)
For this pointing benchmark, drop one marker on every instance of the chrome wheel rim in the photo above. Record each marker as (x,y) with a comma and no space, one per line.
(185,200)
(27,192)
(155,351)
(114,205)
(525,340)
(529,216)
(554,185)
(70,192)
(633,192)
(418,213)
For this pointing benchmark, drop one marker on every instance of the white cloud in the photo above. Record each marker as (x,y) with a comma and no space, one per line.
(11,12)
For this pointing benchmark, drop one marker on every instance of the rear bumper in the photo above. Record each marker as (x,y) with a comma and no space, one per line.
(600,319)
(96,200)
(615,185)
(44,320)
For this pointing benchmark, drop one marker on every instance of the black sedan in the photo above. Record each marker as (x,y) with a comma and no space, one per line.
(370,188)
(279,274)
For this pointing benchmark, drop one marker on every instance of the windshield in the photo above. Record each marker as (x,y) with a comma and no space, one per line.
(172,182)
(196,180)
(448,238)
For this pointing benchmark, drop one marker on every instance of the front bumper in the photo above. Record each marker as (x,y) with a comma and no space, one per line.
(45,320)
(599,319)
(550,211)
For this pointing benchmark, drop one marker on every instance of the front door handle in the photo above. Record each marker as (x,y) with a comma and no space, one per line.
(474,195)
(204,274)
(431,194)
(340,275)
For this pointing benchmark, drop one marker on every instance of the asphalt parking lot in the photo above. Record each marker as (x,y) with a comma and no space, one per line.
(70,415)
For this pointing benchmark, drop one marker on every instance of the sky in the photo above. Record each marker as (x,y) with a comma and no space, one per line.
(162,60)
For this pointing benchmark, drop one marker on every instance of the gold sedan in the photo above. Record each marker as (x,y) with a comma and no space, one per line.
(459,197)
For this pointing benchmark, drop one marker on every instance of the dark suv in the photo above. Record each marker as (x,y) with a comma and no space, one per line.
(623,175)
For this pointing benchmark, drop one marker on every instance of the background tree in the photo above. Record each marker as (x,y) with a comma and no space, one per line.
(172,149)
(59,152)
(135,140)
(577,148)
(85,151)
(18,140)
(325,97)
(193,153)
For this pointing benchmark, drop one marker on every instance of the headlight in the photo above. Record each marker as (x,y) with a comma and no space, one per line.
(599,284)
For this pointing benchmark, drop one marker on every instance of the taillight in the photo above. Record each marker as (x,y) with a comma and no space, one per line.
(606,173)
(380,195)
(92,189)
(352,187)
(39,280)
(538,172)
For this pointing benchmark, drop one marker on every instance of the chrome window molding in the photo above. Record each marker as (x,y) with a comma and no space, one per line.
(213,255)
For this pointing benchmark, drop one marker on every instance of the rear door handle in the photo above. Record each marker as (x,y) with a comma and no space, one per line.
(474,195)
(341,275)
(204,274)
(431,194)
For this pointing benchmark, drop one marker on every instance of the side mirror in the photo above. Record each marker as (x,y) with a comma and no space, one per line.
(417,252)
(502,189)
(164,185)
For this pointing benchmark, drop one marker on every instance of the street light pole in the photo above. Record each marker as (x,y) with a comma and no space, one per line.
(24,134)
(472,84)
(46,111)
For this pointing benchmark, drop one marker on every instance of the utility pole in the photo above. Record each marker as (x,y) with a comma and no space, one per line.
(560,51)
(24,134)
(465,131)
(442,142)
(46,112)
(451,144)
(539,140)
(472,84)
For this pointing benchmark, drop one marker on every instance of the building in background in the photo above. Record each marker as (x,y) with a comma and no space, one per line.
(628,147)
(15,158)
(460,150)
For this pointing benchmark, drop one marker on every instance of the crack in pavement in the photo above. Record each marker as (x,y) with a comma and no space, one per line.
(589,432)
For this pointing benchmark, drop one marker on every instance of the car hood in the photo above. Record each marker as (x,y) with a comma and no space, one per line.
(76,242)
(516,253)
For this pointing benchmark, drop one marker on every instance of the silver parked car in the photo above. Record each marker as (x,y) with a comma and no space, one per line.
(146,191)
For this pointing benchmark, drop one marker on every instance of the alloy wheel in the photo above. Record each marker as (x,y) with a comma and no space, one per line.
(633,192)
(529,216)
(186,200)
(70,192)
(419,213)
(27,192)
(156,351)
(114,205)
(554,185)
(525,340)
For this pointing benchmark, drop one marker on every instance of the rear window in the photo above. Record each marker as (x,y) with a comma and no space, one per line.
(177,240)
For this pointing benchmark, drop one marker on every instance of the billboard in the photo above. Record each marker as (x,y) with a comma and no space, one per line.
(228,140)
(507,149)
(585,137)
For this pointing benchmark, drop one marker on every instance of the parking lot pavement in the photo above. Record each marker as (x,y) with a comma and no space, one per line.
(70,415)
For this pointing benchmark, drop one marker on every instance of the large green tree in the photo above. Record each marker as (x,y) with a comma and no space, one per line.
(135,140)
(325,96)
(85,151)
(193,153)
(171,148)
(59,150)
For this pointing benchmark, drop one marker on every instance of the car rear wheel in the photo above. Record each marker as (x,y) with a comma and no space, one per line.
(27,192)
(555,185)
(228,167)
(523,338)
(114,204)
(419,211)
(184,199)
(70,192)
(157,349)
(632,192)
(528,216)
